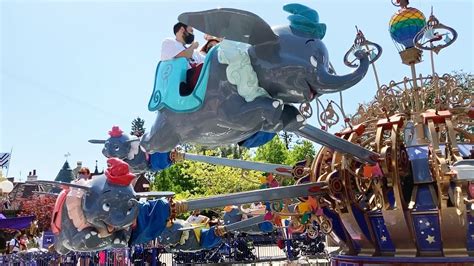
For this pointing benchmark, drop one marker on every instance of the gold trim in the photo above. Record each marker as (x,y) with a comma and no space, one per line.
(397,219)
(452,219)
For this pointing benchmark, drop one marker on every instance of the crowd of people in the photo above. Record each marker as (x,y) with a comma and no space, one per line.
(26,240)
(22,242)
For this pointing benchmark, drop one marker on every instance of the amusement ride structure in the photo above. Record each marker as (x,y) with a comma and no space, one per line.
(393,187)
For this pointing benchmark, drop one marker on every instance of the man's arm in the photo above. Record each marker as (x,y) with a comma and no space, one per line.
(170,50)
(190,219)
(188,52)
(205,219)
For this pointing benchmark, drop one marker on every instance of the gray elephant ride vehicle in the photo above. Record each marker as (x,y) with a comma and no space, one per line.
(249,83)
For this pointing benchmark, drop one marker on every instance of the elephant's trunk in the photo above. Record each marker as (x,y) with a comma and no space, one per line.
(329,83)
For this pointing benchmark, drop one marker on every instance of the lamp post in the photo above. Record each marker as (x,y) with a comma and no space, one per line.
(404,26)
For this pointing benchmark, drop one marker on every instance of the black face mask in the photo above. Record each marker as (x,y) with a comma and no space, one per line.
(188,38)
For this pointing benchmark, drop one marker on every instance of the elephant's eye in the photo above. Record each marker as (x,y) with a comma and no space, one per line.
(308,41)
(106,207)
(117,148)
(313,61)
(129,211)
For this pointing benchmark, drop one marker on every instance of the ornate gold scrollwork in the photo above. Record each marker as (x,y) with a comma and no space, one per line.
(353,197)
(325,225)
(450,190)
(397,219)
(383,118)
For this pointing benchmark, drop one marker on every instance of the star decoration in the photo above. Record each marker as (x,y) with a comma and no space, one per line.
(430,239)
(383,238)
(472,236)
(427,224)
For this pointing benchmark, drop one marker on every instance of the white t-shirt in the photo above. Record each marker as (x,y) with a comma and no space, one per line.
(196,219)
(39,240)
(171,47)
(15,244)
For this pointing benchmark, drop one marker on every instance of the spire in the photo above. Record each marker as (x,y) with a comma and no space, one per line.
(96,171)
(65,174)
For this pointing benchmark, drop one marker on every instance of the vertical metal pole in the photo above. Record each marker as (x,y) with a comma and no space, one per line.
(289,251)
(432,62)
(415,89)
(11,154)
(376,75)
(375,71)
(416,110)
(154,255)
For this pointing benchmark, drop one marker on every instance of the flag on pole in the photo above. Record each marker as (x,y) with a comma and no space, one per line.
(5,159)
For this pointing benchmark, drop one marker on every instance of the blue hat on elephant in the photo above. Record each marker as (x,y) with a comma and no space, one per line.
(305,20)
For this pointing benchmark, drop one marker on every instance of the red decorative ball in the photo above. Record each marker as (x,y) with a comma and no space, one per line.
(115,132)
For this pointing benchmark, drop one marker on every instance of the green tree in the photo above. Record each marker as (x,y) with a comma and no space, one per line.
(190,179)
(272,152)
(232,151)
(175,179)
(216,179)
(300,152)
(138,128)
(287,138)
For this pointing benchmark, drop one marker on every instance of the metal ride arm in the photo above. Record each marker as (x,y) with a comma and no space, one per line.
(308,189)
(245,223)
(338,144)
(233,226)
(278,169)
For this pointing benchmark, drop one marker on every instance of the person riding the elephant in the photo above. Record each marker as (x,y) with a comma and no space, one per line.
(172,48)
(83,174)
(196,218)
(211,42)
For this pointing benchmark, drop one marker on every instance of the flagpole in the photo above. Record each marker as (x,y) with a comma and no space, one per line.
(11,154)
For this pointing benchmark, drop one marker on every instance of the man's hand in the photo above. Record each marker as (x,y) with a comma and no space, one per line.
(194,46)
(188,52)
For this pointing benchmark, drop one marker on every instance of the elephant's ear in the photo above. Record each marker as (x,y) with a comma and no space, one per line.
(233,24)
(62,185)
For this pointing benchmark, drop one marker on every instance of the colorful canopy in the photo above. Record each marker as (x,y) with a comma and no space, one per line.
(16,223)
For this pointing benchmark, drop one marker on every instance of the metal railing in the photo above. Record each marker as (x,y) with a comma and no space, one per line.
(242,249)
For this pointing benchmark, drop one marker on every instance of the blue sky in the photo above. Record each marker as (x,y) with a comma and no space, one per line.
(72,69)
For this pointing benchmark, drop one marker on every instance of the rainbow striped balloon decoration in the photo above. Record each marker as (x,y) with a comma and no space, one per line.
(405,24)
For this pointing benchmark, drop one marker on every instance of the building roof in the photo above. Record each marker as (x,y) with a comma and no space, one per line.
(22,191)
(65,174)
(142,184)
(96,171)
